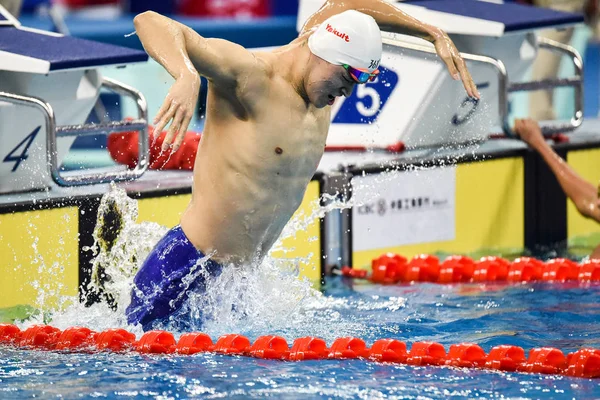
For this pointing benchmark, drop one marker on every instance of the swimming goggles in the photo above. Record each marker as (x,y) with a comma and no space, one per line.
(361,75)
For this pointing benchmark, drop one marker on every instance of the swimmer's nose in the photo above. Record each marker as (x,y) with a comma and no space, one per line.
(347,91)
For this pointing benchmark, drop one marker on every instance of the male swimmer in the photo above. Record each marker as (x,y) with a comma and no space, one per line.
(267,118)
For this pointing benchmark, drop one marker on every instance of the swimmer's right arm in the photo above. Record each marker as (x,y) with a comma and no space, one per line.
(185,54)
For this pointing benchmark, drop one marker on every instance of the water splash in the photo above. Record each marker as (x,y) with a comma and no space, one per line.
(256,297)
(259,298)
(120,246)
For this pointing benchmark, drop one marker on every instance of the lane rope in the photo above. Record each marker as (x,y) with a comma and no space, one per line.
(392,268)
(584,363)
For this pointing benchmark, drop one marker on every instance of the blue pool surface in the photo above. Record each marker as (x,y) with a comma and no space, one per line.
(562,316)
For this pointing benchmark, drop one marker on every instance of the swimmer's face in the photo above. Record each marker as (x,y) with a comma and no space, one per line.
(326,82)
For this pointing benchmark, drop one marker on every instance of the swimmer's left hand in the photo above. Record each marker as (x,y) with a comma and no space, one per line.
(457,67)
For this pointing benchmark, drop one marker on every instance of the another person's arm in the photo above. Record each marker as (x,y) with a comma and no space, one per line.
(392,19)
(583,194)
(185,54)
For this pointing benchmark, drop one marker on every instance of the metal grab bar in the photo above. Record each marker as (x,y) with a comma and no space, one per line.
(53,132)
(543,84)
(100,129)
(504,87)
(575,82)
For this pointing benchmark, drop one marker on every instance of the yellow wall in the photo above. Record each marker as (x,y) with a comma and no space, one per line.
(39,249)
(165,211)
(306,244)
(587,164)
(489,212)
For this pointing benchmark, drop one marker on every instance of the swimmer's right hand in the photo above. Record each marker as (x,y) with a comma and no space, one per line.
(178,109)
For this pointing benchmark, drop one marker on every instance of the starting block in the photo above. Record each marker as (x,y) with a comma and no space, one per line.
(49,83)
(416,101)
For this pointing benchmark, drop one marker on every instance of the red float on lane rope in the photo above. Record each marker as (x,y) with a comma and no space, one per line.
(426,353)
(456,269)
(308,348)
(192,343)
(545,360)
(423,268)
(491,269)
(466,355)
(9,334)
(590,271)
(388,350)
(584,363)
(40,336)
(389,268)
(560,270)
(232,344)
(115,340)
(270,347)
(156,342)
(505,358)
(74,338)
(348,347)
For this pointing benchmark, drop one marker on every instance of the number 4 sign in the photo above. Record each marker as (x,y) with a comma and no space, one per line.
(24,146)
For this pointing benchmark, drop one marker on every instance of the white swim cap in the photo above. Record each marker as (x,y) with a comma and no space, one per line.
(351,38)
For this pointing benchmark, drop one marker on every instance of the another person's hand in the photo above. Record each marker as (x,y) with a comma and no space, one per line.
(529,131)
(178,109)
(457,67)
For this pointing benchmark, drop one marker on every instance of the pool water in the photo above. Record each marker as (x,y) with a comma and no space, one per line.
(566,316)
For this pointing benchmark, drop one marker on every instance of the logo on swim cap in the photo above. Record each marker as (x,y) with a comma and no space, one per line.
(338,33)
(361,44)
(374,64)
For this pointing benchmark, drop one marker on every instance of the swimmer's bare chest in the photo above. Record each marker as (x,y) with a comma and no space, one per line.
(291,139)
(251,171)
(283,140)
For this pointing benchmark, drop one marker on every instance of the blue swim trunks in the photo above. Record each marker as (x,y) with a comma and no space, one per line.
(161,287)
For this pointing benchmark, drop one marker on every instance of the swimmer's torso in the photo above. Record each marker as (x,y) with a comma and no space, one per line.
(253,165)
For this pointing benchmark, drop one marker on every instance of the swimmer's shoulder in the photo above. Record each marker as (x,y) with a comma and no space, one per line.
(268,58)
(264,61)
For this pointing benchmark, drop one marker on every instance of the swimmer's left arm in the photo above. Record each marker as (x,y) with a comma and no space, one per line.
(392,19)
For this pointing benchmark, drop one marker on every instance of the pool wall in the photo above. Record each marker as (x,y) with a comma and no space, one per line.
(503,200)
(43,241)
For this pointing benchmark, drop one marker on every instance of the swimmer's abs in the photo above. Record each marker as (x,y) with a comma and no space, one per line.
(241,203)
(236,235)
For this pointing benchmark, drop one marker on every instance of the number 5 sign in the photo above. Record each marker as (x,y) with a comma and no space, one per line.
(367,101)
